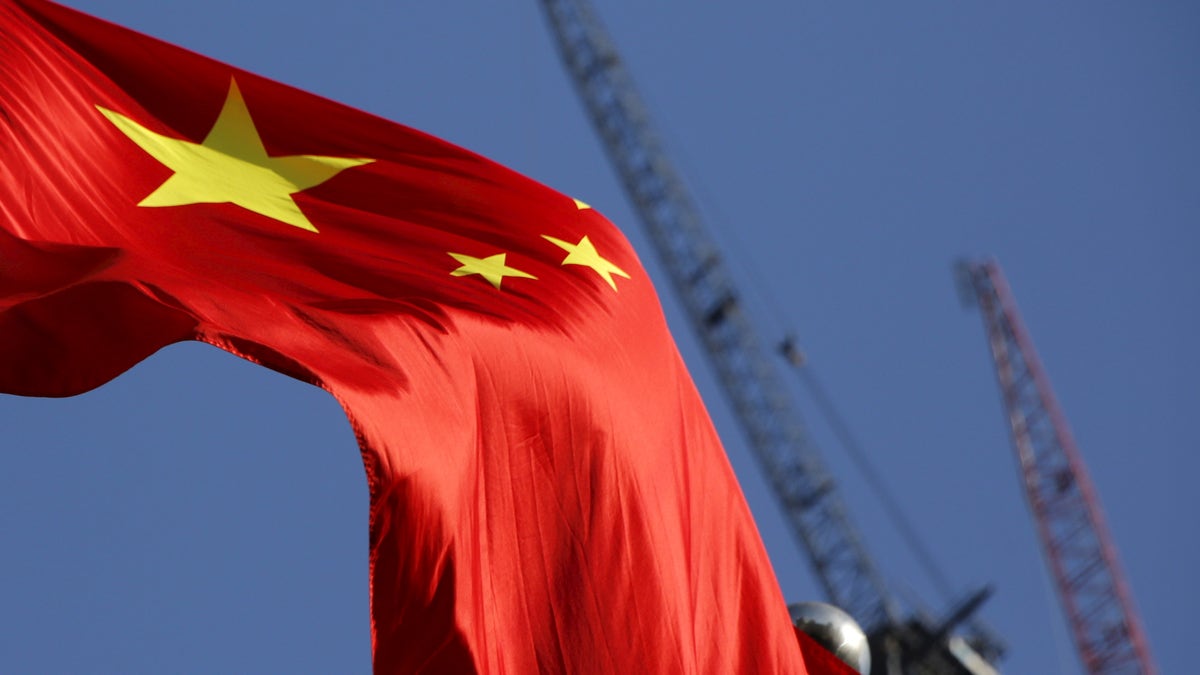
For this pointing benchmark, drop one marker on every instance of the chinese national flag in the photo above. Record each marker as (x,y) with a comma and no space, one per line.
(547,491)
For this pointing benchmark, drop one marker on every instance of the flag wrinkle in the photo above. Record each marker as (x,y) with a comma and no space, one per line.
(35,269)
(546,491)
(548,547)
(105,328)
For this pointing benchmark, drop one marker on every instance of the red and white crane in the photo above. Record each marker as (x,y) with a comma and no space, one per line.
(1079,551)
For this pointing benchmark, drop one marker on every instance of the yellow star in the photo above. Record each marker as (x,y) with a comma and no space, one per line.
(232,166)
(581,205)
(491,268)
(584,253)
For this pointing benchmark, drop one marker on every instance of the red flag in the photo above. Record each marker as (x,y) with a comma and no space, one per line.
(547,492)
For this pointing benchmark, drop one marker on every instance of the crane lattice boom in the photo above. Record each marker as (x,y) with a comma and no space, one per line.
(700,278)
(1078,549)
(749,378)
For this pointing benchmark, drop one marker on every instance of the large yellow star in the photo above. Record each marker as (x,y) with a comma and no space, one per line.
(584,253)
(492,268)
(232,166)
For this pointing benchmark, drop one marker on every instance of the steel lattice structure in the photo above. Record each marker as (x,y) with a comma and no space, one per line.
(1078,549)
(702,282)
(750,379)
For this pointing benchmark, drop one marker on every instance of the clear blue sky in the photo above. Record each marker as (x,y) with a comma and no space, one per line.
(200,514)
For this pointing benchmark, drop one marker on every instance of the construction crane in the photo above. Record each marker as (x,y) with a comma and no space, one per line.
(807,492)
(1078,549)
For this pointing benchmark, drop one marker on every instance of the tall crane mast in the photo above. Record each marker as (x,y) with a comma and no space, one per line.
(702,281)
(1078,549)
(776,435)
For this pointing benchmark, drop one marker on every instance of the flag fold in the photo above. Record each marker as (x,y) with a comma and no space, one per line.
(547,493)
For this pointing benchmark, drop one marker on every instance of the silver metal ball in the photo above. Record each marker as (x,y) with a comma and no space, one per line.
(834,630)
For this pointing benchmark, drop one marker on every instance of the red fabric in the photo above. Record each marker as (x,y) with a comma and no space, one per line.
(547,492)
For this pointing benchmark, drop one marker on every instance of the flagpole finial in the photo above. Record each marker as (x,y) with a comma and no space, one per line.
(835,630)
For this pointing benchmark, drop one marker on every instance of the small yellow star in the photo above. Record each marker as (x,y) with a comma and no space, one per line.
(491,268)
(581,205)
(584,253)
(232,166)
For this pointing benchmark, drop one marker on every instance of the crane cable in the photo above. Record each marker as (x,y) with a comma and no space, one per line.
(842,431)
(799,362)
